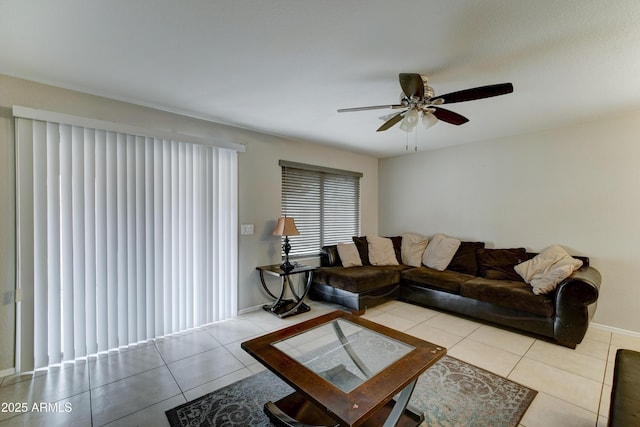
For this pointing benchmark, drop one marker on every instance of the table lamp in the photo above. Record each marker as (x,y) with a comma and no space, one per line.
(286,227)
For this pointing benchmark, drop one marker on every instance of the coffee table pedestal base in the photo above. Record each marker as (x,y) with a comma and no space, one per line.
(296,411)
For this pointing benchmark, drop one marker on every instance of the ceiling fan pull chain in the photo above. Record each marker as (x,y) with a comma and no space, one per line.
(406,147)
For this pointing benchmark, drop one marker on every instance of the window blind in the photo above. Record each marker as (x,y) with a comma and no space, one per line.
(325,204)
(121,238)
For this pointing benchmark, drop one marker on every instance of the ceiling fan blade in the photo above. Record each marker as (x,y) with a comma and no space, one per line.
(387,117)
(476,93)
(449,116)
(412,84)
(373,107)
(392,121)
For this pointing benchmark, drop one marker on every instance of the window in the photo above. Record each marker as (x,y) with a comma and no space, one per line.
(122,238)
(325,204)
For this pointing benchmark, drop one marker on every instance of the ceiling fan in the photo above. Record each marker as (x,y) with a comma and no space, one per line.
(418,98)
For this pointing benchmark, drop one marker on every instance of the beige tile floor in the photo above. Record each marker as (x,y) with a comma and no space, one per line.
(134,387)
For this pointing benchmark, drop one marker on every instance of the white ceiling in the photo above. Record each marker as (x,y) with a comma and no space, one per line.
(283,67)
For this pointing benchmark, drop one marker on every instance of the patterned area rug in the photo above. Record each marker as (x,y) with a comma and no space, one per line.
(451,393)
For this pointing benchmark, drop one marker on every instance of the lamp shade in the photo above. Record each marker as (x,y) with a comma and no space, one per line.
(286,226)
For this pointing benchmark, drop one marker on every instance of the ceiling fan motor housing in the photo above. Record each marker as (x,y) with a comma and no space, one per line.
(428,90)
(414,101)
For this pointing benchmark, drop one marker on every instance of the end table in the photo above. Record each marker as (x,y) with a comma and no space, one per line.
(283,307)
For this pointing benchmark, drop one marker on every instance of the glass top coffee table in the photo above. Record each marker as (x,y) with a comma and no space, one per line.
(345,370)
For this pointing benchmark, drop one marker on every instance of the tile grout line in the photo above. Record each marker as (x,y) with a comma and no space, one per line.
(604,376)
(557,397)
(168,369)
(521,358)
(148,406)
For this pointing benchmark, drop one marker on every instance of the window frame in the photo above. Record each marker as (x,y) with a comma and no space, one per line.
(326,234)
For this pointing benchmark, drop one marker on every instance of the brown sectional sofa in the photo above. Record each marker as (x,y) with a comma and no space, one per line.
(562,315)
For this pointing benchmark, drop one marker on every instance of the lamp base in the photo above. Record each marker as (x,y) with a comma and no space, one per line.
(287,266)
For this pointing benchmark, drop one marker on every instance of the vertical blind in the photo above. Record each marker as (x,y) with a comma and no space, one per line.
(325,204)
(122,238)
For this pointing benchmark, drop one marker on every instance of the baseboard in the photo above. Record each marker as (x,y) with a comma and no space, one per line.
(7,372)
(250,309)
(615,330)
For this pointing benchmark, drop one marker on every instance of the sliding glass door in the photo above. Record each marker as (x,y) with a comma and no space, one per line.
(121,238)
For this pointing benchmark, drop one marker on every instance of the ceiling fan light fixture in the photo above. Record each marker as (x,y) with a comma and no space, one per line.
(428,120)
(410,120)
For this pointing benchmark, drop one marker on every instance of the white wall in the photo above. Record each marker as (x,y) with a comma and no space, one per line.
(259,181)
(577,186)
(260,192)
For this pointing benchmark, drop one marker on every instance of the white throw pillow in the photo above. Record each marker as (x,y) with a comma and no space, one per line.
(440,252)
(412,248)
(381,251)
(547,269)
(349,255)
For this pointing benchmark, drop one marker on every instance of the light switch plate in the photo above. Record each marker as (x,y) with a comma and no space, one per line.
(246,229)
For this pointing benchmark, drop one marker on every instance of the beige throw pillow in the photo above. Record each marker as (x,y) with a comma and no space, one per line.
(547,269)
(349,254)
(440,252)
(412,248)
(381,251)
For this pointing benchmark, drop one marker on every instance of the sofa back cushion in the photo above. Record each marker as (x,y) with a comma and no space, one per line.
(440,252)
(413,246)
(349,254)
(498,264)
(397,247)
(363,249)
(465,259)
(381,251)
(329,256)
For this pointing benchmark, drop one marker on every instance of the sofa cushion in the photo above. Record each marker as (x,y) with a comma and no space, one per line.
(413,246)
(397,247)
(381,251)
(498,264)
(358,279)
(329,256)
(363,249)
(465,260)
(445,280)
(547,269)
(508,293)
(349,254)
(440,251)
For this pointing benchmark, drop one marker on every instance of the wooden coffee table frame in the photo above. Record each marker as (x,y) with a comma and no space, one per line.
(319,402)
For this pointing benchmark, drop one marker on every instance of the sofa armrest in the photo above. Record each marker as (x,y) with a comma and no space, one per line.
(575,302)
(583,286)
